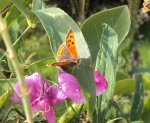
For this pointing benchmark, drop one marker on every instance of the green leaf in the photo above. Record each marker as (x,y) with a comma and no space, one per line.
(70,114)
(137,122)
(36,5)
(20,5)
(3,4)
(14,13)
(137,106)
(146,111)
(118,18)
(121,75)
(14,32)
(146,82)
(106,63)
(56,23)
(4,97)
(116,106)
(125,86)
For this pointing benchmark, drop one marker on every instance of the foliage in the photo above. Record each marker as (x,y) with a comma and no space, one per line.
(36,36)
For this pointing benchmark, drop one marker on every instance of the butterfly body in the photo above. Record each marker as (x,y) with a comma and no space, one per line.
(67,55)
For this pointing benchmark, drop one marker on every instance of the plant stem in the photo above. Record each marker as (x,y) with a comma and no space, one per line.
(118,118)
(82,10)
(18,68)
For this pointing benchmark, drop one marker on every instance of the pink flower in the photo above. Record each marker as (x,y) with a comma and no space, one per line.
(100,83)
(43,96)
(46,107)
(71,88)
(34,85)
(54,93)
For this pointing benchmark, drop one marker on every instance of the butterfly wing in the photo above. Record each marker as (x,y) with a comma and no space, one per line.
(67,54)
(70,43)
(63,57)
(62,64)
(63,53)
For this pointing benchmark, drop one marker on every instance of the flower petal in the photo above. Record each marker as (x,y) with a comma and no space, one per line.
(15,97)
(45,106)
(100,83)
(70,86)
(34,85)
(54,93)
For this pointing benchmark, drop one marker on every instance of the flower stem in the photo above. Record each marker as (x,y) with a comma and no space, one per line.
(18,68)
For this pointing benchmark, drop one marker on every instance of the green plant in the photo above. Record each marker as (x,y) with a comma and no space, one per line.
(97,42)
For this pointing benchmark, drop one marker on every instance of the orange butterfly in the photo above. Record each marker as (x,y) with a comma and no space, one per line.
(67,53)
(146,6)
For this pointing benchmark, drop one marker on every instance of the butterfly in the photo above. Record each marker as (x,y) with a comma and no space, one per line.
(67,55)
(146,6)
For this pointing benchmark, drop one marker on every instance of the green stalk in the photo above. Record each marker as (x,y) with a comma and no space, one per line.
(18,68)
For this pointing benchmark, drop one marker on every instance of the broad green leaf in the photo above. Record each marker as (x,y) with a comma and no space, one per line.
(137,106)
(121,75)
(106,63)
(146,82)
(3,4)
(4,97)
(56,23)
(125,86)
(118,18)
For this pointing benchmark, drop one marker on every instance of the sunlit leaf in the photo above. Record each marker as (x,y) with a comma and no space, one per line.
(4,97)
(118,18)
(125,86)
(56,23)
(106,63)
